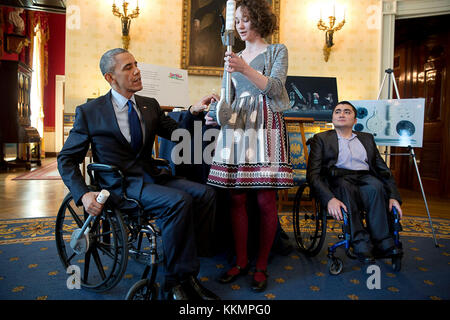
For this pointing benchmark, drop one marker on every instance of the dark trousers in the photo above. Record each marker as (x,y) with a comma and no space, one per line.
(185,214)
(365,192)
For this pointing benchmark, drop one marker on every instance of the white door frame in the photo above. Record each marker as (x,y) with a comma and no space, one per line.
(59,112)
(403,9)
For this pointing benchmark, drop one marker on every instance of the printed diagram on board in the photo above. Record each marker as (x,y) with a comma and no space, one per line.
(392,122)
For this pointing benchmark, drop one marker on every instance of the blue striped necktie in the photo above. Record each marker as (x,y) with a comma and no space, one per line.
(135,128)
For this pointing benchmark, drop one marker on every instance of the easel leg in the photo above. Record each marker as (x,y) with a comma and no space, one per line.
(411,150)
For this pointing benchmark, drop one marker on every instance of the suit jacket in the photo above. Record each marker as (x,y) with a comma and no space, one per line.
(324,150)
(96,126)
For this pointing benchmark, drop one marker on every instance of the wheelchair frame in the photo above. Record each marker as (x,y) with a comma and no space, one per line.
(110,239)
(310,241)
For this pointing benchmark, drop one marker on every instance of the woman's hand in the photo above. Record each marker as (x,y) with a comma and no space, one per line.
(234,63)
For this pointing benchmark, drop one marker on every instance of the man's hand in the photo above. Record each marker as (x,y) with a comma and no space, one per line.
(394,203)
(334,208)
(90,203)
(203,104)
(210,121)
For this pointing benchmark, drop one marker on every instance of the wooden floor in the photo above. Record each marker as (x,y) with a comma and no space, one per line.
(41,198)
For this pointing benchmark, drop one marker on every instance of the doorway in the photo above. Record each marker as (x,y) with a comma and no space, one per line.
(421,67)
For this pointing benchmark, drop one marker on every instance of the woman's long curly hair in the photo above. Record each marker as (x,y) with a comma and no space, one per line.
(262,19)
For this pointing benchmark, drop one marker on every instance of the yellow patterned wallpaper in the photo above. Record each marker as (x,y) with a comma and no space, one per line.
(156,39)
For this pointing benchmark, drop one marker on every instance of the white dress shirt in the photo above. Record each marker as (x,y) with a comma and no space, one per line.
(120,105)
(352,154)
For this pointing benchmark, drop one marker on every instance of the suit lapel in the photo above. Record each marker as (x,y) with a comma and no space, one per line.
(144,109)
(334,145)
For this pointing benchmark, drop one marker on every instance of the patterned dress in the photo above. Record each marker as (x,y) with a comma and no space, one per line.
(252,149)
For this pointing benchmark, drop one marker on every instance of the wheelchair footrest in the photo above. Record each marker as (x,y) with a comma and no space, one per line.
(144,258)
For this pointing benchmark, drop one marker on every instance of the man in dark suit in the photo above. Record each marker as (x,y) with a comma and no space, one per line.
(347,172)
(120,128)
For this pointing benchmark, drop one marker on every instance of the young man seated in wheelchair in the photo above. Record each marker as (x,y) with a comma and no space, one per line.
(120,128)
(346,171)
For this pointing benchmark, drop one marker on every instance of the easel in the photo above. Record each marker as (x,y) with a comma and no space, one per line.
(389,73)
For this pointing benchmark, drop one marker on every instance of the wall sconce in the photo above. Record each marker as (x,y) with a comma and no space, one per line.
(126,20)
(329,31)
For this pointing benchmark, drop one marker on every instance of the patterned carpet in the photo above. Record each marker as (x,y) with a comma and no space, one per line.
(30,269)
(46,172)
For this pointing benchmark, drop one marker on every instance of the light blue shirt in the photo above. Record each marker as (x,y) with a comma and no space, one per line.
(352,154)
(120,105)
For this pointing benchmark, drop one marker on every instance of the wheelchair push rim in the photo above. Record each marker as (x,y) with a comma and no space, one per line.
(102,266)
(309,222)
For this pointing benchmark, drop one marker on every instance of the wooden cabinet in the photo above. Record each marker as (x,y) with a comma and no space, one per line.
(15,123)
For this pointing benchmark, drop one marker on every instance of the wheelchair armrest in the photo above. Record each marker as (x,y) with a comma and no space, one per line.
(100,167)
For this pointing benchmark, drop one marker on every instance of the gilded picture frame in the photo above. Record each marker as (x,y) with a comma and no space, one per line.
(1,32)
(202,50)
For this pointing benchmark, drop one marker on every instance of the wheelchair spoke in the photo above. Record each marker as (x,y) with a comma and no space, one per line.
(102,234)
(308,222)
(106,249)
(105,260)
(99,264)
(75,216)
(69,260)
(87,262)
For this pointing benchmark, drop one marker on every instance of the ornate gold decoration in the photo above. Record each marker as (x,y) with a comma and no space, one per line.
(125,19)
(15,43)
(329,29)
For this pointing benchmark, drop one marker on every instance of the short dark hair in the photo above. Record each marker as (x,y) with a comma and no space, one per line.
(262,19)
(347,103)
(108,60)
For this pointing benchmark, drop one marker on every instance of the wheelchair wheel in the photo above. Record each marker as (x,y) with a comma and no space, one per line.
(104,262)
(309,222)
(335,266)
(143,290)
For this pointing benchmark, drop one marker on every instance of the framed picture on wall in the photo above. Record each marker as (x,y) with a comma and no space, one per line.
(202,50)
(311,97)
(1,32)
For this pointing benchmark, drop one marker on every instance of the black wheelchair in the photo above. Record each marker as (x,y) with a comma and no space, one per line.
(109,240)
(310,229)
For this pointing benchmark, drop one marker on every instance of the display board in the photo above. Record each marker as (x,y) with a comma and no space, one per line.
(392,122)
(167,85)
